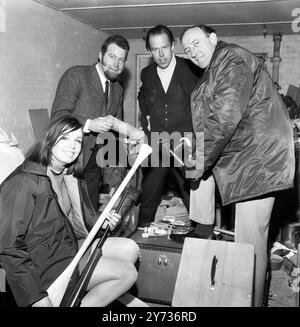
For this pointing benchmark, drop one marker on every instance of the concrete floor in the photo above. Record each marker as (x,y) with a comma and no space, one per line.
(281,292)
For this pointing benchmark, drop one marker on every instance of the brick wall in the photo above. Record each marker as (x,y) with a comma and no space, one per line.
(37,45)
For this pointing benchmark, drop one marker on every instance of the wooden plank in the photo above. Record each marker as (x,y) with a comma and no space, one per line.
(2,281)
(39,119)
(297,99)
(292,91)
(233,277)
(298,277)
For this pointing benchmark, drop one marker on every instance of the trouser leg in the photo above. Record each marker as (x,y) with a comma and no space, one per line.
(202,202)
(92,176)
(182,185)
(152,188)
(252,220)
(202,208)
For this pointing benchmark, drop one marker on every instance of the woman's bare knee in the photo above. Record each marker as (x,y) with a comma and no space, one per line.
(105,287)
(121,248)
(130,274)
(132,249)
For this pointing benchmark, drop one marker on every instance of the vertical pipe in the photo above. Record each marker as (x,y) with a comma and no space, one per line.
(276,59)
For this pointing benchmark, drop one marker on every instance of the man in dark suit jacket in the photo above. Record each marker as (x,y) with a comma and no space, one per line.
(81,92)
(164,100)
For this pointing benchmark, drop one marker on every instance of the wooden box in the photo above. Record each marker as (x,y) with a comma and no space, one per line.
(214,274)
(157,269)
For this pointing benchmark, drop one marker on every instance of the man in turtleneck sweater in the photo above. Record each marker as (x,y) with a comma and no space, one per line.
(164,100)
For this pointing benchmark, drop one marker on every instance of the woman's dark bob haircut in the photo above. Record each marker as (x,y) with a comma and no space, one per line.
(41,151)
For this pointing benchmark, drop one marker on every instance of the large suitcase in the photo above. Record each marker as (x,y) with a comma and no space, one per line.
(214,274)
(157,269)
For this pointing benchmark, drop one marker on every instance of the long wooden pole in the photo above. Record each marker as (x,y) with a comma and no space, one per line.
(73,299)
(59,286)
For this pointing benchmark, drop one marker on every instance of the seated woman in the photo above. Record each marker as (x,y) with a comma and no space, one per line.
(44,209)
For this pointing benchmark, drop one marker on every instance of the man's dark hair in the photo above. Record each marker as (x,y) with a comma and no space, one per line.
(206,29)
(157,30)
(41,151)
(119,40)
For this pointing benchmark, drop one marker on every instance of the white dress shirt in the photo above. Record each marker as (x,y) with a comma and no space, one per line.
(103,79)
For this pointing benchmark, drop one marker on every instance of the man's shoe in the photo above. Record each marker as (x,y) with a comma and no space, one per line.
(144,224)
(205,237)
(181,237)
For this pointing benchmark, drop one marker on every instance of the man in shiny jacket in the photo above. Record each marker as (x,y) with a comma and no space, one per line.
(244,136)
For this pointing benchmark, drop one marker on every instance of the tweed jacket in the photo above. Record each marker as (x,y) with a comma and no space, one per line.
(80,93)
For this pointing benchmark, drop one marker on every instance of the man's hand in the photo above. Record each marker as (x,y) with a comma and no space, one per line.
(194,183)
(135,141)
(100,124)
(112,219)
(44,302)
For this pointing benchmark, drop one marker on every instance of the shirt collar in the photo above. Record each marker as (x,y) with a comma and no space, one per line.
(102,77)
